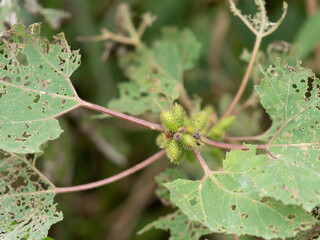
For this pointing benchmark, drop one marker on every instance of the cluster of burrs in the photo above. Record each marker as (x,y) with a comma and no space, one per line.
(182,134)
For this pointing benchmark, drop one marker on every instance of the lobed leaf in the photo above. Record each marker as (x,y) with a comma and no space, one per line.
(156,73)
(259,24)
(291,96)
(180,227)
(168,175)
(229,202)
(308,35)
(27,210)
(35,87)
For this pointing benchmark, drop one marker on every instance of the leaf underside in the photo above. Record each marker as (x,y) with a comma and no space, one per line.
(35,87)
(27,210)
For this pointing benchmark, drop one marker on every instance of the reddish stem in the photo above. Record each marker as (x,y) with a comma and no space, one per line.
(144,123)
(235,237)
(245,77)
(114,178)
(242,139)
(203,164)
(229,145)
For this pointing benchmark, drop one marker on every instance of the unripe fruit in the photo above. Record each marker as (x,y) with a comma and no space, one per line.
(187,142)
(180,158)
(179,114)
(169,121)
(173,150)
(199,120)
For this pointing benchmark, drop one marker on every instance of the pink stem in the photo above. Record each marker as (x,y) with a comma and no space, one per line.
(229,145)
(114,178)
(203,164)
(144,123)
(235,237)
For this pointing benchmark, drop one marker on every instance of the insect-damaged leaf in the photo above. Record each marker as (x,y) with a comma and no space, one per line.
(156,72)
(35,87)
(291,96)
(229,202)
(27,210)
(180,227)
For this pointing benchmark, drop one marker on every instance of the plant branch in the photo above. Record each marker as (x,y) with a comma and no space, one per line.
(235,237)
(101,144)
(230,146)
(251,101)
(203,164)
(237,13)
(107,35)
(185,99)
(114,178)
(245,77)
(144,123)
(241,139)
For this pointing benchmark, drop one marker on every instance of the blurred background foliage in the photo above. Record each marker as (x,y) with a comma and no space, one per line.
(91,149)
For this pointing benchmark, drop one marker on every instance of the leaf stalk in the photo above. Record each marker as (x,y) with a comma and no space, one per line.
(114,178)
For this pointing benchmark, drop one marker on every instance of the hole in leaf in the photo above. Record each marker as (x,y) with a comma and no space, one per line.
(310,87)
(26,135)
(36,99)
(244,215)
(7,79)
(22,59)
(19,182)
(193,201)
(291,216)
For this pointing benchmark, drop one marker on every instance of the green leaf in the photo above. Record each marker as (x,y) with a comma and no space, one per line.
(35,88)
(53,16)
(26,200)
(168,175)
(156,73)
(308,36)
(259,24)
(290,96)
(228,202)
(9,12)
(180,227)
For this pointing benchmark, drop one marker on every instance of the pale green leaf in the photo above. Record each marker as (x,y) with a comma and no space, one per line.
(27,210)
(53,16)
(9,14)
(228,201)
(259,23)
(308,36)
(180,227)
(156,73)
(35,88)
(168,175)
(291,97)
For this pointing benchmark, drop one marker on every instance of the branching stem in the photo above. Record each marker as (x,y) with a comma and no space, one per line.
(144,123)
(114,178)
(245,77)
(229,146)
(203,164)
(242,139)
